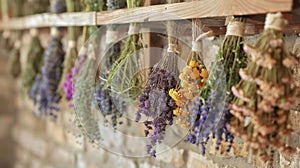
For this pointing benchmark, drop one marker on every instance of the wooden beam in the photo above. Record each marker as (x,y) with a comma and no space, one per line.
(185,10)
(194,9)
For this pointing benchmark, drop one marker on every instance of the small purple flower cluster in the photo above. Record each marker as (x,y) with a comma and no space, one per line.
(108,104)
(156,104)
(68,84)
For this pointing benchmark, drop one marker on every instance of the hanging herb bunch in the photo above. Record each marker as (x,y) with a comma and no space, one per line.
(36,50)
(68,85)
(71,54)
(84,78)
(192,78)
(109,105)
(48,97)
(210,111)
(264,96)
(14,62)
(155,102)
(122,79)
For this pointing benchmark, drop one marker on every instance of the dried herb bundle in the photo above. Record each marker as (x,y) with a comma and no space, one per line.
(36,50)
(14,62)
(155,102)
(84,86)
(210,111)
(84,78)
(122,78)
(88,6)
(192,78)
(109,105)
(34,60)
(52,68)
(71,53)
(264,96)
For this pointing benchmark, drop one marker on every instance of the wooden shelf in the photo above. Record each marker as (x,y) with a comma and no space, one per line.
(213,13)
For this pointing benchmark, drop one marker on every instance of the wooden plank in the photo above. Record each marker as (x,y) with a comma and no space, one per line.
(194,9)
(48,20)
(184,10)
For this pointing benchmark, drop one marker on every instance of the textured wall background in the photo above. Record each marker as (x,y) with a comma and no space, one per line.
(43,144)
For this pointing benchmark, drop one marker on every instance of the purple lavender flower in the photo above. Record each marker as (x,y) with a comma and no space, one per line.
(156,104)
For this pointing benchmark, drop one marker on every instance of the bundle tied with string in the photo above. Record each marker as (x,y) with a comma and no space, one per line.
(48,97)
(66,83)
(210,111)
(264,96)
(84,85)
(88,6)
(192,78)
(154,102)
(36,50)
(125,78)
(84,77)
(34,60)
(109,105)
(14,57)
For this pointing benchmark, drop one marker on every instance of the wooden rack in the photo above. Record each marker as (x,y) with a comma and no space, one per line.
(213,13)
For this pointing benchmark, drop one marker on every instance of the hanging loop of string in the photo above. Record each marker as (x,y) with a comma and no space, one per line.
(196,45)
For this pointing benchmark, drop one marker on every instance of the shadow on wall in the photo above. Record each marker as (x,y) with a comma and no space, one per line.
(7,114)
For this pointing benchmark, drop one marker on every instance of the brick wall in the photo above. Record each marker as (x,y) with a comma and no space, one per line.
(43,144)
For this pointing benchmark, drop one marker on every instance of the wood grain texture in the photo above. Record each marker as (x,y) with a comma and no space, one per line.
(213,13)
(49,20)
(195,9)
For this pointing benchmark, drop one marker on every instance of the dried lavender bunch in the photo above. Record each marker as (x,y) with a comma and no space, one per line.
(264,96)
(109,105)
(52,72)
(155,102)
(127,65)
(34,60)
(52,69)
(210,111)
